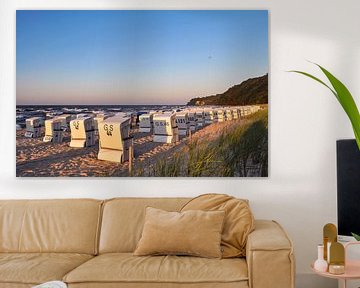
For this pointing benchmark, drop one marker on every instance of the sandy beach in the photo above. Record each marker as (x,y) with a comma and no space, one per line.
(36,158)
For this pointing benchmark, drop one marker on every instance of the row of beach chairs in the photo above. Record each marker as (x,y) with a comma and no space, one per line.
(113,130)
(188,121)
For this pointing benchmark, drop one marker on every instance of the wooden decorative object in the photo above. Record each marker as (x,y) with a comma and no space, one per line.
(330,236)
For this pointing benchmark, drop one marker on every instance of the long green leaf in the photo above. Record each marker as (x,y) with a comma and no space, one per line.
(347,102)
(344,97)
(316,79)
(336,95)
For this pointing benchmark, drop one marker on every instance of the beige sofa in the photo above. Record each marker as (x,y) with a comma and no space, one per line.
(89,243)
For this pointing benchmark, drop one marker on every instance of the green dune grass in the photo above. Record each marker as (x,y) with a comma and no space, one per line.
(240,150)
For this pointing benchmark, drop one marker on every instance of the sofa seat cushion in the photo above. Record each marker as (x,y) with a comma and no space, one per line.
(127,268)
(36,268)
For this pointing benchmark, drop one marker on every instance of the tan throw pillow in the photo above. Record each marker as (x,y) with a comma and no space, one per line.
(238,224)
(196,233)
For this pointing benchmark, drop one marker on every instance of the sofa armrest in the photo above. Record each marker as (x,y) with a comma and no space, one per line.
(269,255)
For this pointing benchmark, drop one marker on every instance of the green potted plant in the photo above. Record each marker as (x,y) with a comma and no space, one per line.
(345,99)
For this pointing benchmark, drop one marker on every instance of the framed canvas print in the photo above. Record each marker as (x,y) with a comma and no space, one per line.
(142,93)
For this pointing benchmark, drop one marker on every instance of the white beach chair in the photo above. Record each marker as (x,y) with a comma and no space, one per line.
(53,131)
(82,132)
(65,120)
(114,139)
(165,128)
(182,121)
(146,122)
(228,114)
(209,116)
(235,114)
(220,115)
(33,127)
(193,120)
(200,118)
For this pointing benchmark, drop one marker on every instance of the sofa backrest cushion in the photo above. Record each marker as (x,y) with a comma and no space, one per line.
(239,220)
(64,226)
(123,220)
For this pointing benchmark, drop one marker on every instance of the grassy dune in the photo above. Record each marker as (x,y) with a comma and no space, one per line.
(237,148)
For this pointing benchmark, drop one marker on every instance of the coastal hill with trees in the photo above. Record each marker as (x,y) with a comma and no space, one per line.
(251,91)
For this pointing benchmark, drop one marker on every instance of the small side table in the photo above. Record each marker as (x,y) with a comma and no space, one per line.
(352,269)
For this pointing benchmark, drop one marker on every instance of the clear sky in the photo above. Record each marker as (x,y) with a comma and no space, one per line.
(136,57)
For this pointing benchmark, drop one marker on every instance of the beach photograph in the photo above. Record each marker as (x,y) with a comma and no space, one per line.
(142,93)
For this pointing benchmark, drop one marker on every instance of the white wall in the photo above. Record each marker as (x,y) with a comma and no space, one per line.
(305,119)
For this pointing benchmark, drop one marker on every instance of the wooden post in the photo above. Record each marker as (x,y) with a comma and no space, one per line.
(131,155)
(190,134)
